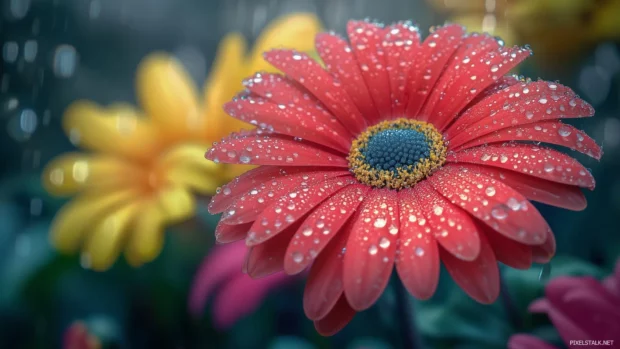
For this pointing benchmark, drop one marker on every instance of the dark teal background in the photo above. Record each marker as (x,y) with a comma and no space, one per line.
(42,293)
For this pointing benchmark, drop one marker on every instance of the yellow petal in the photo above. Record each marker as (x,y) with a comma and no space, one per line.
(188,154)
(185,165)
(233,171)
(104,244)
(295,31)
(168,95)
(73,172)
(74,219)
(121,131)
(177,203)
(147,236)
(223,83)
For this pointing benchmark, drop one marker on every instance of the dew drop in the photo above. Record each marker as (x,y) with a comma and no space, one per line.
(419,251)
(499,212)
(373,250)
(380,222)
(384,242)
(298,257)
(564,131)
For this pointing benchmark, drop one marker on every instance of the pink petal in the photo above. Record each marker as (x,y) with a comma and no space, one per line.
(532,160)
(226,233)
(401,45)
(320,83)
(307,122)
(519,104)
(366,39)
(493,203)
(452,227)
(289,208)
(612,282)
(526,341)
(249,206)
(536,189)
(241,296)
(417,259)
(273,149)
(219,265)
(479,278)
(371,249)
(324,286)
(429,64)
(342,64)
(553,132)
(337,319)
(325,222)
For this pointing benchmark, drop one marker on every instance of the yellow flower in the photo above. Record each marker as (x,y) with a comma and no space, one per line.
(556,29)
(144,166)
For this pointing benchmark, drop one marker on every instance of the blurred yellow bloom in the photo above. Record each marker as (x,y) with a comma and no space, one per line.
(556,29)
(144,166)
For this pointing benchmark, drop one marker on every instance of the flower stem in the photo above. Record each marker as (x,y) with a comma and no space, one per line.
(404,314)
(509,305)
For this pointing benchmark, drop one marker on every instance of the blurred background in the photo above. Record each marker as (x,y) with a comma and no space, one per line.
(55,52)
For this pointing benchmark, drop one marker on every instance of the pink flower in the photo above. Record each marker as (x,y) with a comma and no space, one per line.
(77,336)
(236,294)
(582,309)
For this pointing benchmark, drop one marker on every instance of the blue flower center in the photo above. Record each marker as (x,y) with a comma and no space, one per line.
(396,148)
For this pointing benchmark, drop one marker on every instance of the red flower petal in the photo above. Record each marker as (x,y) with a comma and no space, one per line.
(500,84)
(470,52)
(268,257)
(289,208)
(492,202)
(337,319)
(543,253)
(429,64)
(320,83)
(476,65)
(479,278)
(248,181)
(536,189)
(508,251)
(321,226)
(324,286)
(250,205)
(553,132)
(536,161)
(371,249)
(452,227)
(341,62)
(366,39)
(519,104)
(401,44)
(307,122)
(225,233)
(279,89)
(417,257)
(263,149)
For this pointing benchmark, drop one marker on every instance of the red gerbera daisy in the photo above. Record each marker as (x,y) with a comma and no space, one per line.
(401,153)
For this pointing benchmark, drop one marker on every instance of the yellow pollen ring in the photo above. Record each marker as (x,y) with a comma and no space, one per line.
(404,177)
